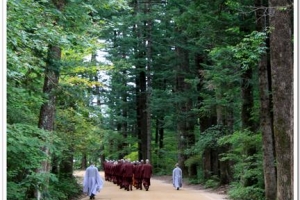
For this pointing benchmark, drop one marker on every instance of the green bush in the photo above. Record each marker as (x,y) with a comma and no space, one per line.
(15,191)
(246,167)
(194,181)
(64,189)
(239,192)
(214,182)
(24,157)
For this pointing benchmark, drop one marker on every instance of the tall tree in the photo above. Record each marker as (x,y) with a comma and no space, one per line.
(47,112)
(281,55)
(266,120)
(149,63)
(141,53)
(64,13)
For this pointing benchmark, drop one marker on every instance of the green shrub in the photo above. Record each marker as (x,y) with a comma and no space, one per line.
(64,189)
(194,181)
(16,191)
(239,192)
(246,167)
(24,157)
(214,182)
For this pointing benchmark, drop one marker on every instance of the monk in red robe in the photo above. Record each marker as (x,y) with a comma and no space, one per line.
(147,173)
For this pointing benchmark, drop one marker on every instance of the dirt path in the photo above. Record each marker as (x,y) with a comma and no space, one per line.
(159,190)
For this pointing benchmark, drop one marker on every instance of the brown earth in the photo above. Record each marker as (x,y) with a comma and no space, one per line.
(161,189)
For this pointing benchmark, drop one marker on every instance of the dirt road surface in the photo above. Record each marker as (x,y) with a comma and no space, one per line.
(159,190)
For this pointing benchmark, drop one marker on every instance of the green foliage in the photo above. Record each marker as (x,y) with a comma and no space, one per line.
(113,140)
(247,138)
(197,180)
(24,157)
(16,190)
(132,156)
(81,134)
(245,166)
(207,140)
(23,19)
(193,159)
(64,189)
(164,159)
(213,182)
(222,83)
(250,49)
(32,27)
(22,105)
(238,192)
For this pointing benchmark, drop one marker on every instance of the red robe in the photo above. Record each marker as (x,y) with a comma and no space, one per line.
(147,173)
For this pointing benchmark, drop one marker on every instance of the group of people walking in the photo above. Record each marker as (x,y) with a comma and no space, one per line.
(127,174)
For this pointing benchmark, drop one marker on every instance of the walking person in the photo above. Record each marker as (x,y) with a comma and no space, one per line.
(138,176)
(177,177)
(127,175)
(92,181)
(146,174)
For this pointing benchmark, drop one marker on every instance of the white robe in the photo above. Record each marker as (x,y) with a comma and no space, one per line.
(177,177)
(92,182)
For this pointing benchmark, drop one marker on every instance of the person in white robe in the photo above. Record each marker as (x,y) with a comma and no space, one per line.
(177,177)
(92,182)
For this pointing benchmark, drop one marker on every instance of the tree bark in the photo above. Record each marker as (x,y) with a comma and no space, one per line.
(281,54)
(142,115)
(84,161)
(266,108)
(140,81)
(247,99)
(47,112)
(148,44)
(143,80)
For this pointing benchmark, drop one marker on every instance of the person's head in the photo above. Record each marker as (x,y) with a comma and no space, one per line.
(176,165)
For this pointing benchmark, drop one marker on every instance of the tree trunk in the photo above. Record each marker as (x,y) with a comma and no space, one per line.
(138,116)
(281,54)
(47,112)
(142,115)
(207,164)
(247,99)
(84,161)
(161,133)
(266,109)
(247,106)
(225,167)
(148,43)
(142,92)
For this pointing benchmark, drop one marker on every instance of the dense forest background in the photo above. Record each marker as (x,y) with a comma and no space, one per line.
(205,83)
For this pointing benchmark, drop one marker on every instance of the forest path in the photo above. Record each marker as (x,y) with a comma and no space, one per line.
(159,190)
